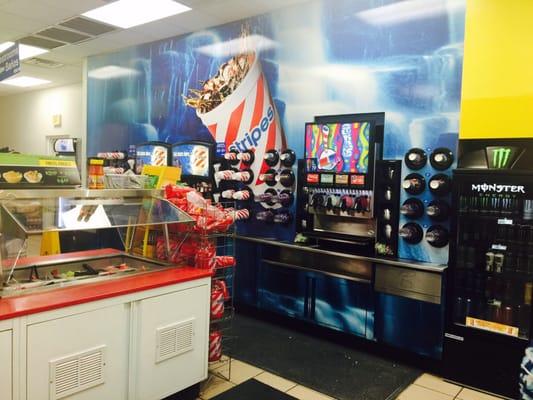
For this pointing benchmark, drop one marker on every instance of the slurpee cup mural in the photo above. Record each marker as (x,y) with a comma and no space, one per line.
(237,108)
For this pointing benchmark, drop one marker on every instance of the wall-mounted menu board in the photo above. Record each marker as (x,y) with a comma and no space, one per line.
(24,171)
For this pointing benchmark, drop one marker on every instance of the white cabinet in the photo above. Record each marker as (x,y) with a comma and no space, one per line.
(6,365)
(145,345)
(79,357)
(171,342)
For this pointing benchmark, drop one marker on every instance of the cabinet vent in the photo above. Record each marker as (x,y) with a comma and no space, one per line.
(76,372)
(173,340)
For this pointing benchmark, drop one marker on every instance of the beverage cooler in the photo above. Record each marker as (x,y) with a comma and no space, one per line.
(490,283)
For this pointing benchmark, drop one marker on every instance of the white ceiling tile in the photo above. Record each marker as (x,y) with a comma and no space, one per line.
(75,6)
(180,24)
(9,34)
(28,16)
(12,22)
(37,11)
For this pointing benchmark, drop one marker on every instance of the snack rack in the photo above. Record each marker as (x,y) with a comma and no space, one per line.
(209,244)
(224,272)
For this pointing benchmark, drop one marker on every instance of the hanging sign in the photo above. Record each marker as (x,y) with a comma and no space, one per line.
(9,62)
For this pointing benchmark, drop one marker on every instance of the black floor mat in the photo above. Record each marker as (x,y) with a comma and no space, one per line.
(253,390)
(342,372)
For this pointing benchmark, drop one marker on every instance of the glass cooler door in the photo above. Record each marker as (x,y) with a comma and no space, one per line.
(492,258)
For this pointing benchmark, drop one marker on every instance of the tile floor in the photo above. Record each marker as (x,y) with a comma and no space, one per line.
(426,387)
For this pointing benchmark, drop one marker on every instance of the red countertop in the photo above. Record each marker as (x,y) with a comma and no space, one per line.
(12,307)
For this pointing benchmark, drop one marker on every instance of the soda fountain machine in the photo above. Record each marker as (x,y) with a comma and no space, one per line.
(490,274)
(336,182)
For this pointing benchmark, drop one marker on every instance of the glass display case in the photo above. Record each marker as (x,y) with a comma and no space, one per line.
(41,213)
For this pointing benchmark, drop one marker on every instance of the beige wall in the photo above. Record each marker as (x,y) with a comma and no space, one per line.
(26,119)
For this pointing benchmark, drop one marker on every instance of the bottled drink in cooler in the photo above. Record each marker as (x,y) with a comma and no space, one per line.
(524,317)
(412,208)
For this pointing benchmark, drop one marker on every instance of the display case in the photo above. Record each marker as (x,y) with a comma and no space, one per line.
(27,213)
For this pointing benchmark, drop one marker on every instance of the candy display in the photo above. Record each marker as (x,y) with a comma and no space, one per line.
(247,157)
(217,303)
(242,214)
(228,194)
(215,346)
(242,195)
(224,261)
(219,294)
(205,257)
(226,175)
(231,156)
(112,155)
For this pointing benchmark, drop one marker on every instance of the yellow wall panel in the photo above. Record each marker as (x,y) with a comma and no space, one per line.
(497,93)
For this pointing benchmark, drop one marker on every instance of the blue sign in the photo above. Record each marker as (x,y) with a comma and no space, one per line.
(9,62)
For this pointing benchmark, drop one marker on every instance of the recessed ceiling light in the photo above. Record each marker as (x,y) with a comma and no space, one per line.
(112,71)
(128,13)
(25,51)
(25,81)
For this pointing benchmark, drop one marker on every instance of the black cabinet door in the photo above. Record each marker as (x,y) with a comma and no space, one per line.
(343,305)
(283,290)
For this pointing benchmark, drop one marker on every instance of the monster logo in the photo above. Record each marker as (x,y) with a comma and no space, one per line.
(500,157)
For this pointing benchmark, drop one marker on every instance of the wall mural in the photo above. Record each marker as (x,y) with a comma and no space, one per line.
(400,57)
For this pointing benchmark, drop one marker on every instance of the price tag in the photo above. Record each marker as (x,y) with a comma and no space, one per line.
(492,326)
(499,247)
(505,221)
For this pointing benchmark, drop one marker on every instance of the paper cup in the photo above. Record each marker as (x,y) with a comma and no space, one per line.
(248,120)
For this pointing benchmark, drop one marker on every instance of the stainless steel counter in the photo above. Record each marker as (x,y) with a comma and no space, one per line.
(422,266)
(415,280)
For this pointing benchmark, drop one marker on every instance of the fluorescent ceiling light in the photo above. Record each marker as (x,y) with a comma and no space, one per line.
(25,81)
(233,47)
(112,71)
(128,13)
(25,51)
(409,11)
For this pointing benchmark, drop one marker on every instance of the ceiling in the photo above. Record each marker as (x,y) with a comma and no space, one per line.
(19,18)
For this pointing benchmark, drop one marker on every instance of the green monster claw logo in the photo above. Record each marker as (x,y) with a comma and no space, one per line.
(500,157)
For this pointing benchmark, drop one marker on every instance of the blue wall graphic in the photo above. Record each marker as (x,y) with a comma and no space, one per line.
(321,57)
(404,58)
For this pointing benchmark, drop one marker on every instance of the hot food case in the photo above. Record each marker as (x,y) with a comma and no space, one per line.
(130,213)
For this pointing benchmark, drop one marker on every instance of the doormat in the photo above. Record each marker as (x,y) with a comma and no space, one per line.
(253,390)
(340,371)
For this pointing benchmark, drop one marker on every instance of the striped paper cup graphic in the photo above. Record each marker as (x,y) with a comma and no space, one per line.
(248,120)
